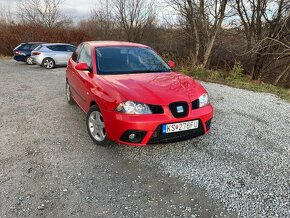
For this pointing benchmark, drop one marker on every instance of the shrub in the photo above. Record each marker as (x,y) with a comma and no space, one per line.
(236,73)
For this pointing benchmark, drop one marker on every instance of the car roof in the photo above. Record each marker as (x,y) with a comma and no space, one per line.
(46,44)
(32,43)
(113,43)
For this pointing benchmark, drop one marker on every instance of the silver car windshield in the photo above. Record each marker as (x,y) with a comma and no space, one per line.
(128,60)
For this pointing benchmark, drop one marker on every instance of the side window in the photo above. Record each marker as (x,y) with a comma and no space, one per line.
(38,48)
(85,55)
(76,53)
(53,47)
(33,46)
(61,47)
(25,47)
(57,47)
(70,48)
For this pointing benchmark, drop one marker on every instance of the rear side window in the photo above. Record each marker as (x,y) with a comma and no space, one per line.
(34,46)
(57,47)
(38,48)
(25,47)
(52,47)
(19,46)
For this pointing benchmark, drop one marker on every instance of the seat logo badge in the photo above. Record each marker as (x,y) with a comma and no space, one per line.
(179,109)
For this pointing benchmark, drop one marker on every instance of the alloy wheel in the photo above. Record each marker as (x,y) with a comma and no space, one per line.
(97,126)
(68,94)
(48,63)
(29,61)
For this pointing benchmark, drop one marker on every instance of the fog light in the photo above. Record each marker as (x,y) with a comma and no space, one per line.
(134,137)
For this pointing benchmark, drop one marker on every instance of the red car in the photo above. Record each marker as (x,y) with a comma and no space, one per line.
(131,96)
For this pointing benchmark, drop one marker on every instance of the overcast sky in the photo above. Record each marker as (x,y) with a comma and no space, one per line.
(76,9)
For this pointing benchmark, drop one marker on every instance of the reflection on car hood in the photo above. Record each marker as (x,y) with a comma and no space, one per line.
(156,88)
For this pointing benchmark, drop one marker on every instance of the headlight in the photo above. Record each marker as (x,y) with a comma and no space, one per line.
(203,100)
(131,107)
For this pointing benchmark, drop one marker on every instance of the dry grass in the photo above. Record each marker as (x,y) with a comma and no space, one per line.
(2,57)
(235,79)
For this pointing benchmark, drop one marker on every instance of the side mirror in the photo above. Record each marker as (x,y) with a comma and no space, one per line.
(83,67)
(171,64)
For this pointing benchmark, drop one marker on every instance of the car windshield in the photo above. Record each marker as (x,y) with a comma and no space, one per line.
(128,60)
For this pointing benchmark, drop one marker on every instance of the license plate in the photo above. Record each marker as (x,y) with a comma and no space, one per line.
(178,127)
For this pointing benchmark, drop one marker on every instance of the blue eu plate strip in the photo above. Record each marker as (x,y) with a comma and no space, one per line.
(163,129)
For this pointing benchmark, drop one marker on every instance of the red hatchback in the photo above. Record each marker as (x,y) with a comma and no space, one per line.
(131,96)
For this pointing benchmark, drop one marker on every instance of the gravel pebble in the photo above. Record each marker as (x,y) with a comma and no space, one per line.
(244,162)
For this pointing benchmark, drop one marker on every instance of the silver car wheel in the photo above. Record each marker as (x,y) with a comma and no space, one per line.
(97,126)
(29,61)
(68,94)
(48,63)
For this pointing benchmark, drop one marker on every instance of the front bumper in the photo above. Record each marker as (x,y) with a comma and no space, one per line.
(119,126)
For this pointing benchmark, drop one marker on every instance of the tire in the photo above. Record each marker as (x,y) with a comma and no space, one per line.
(69,97)
(28,60)
(96,127)
(48,63)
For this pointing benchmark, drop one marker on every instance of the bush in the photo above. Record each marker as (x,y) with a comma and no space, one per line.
(236,73)
(13,34)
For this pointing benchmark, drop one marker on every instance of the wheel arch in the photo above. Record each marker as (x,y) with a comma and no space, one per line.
(93,102)
(48,58)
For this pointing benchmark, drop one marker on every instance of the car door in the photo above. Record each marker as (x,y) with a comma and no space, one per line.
(80,78)
(58,54)
(69,49)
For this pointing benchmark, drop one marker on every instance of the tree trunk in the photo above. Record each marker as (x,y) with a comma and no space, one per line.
(215,31)
(257,67)
(282,74)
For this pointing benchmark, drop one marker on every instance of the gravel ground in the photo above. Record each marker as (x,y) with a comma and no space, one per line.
(244,162)
(49,166)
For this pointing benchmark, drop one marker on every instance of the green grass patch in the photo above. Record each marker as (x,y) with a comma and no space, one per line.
(236,79)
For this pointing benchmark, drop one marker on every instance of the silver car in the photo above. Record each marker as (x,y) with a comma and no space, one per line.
(52,54)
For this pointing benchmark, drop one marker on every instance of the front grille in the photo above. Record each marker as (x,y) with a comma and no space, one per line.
(175,106)
(195,104)
(156,109)
(159,137)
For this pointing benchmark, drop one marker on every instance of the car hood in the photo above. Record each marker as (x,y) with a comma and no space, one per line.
(156,88)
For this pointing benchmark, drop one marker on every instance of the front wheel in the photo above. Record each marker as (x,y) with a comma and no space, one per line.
(48,63)
(69,98)
(96,126)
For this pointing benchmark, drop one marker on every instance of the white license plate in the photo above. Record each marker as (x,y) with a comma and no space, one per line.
(178,127)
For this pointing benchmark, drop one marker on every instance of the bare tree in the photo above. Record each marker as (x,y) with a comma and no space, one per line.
(6,14)
(102,22)
(263,20)
(121,19)
(202,21)
(42,12)
(133,17)
(214,26)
